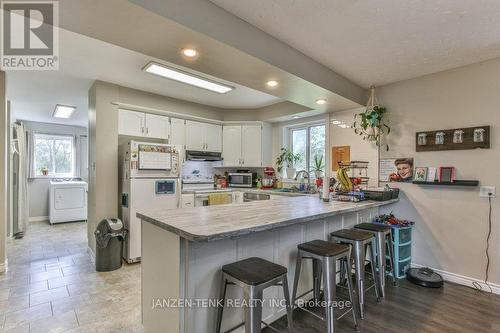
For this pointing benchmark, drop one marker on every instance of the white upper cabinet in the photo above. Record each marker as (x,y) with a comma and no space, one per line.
(231,138)
(213,137)
(131,123)
(242,145)
(143,124)
(194,135)
(203,136)
(177,131)
(251,145)
(157,126)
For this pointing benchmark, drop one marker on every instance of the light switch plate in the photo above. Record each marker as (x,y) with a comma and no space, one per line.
(484,191)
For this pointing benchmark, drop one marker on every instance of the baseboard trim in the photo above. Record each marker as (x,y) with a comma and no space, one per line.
(91,253)
(4,265)
(464,280)
(38,218)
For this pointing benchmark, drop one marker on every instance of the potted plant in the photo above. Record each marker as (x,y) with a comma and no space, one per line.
(288,158)
(318,166)
(45,171)
(371,124)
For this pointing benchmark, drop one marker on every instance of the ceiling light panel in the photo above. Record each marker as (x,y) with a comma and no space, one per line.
(184,77)
(63,111)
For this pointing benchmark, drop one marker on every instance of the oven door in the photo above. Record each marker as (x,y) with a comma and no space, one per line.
(240,180)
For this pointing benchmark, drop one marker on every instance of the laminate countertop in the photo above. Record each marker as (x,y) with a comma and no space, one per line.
(211,223)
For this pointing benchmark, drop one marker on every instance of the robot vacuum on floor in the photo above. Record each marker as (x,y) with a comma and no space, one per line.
(424,277)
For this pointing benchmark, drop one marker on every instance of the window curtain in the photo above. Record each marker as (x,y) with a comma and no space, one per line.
(29,159)
(22,179)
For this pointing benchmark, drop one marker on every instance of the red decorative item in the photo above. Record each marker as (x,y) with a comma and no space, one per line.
(446,174)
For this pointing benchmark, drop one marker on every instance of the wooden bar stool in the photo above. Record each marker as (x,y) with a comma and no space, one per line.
(359,240)
(383,239)
(253,275)
(325,256)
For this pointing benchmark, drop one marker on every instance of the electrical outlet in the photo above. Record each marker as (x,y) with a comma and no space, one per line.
(487,191)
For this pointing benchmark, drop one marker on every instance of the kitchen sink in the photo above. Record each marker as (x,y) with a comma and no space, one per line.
(255,196)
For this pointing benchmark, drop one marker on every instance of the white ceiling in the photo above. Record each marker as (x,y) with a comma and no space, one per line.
(33,95)
(382,41)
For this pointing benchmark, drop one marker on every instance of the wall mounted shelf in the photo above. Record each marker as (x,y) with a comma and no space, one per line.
(470,183)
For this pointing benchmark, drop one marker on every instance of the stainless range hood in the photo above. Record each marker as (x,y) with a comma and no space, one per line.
(194,155)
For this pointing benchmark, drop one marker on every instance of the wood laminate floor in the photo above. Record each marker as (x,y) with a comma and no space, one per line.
(410,308)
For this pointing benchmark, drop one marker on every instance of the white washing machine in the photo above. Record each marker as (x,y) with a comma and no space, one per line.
(68,201)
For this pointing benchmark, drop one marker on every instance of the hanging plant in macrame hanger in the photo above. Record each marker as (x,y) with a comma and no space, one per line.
(370,124)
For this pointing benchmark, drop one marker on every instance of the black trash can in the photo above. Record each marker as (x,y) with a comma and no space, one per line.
(109,236)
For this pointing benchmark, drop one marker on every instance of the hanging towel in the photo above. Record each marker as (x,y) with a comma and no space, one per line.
(219,199)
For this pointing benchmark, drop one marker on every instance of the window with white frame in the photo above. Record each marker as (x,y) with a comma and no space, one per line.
(309,142)
(53,155)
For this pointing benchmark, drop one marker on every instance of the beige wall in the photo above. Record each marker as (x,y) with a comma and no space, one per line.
(361,150)
(451,228)
(3,170)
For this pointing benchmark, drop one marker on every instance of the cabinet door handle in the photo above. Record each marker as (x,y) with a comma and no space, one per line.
(147,130)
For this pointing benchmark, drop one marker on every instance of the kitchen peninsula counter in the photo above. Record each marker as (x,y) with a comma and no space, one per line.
(210,223)
(184,249)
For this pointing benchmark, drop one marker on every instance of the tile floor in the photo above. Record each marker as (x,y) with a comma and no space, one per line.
(51,286)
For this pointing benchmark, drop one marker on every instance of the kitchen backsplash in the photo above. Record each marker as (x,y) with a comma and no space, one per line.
(199,170)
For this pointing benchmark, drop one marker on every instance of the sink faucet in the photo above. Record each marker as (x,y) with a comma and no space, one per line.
(306,175)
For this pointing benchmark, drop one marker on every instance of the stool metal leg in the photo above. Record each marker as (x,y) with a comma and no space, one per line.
(347,264)
(374,273)
(289,305)
(359,275)
(298,265)
(391,255)
(253,311)
(329,277)
(381,262)
(316,279)
(222,296)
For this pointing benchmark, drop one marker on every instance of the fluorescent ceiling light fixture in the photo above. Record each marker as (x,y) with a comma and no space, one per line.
(336,122)
(184,77)
(296,117)
(191,53)
(63,111)
(272,83)
(321,101)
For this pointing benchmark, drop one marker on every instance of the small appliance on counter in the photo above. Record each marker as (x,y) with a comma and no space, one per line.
(150,179)
(269,178)
(242,178)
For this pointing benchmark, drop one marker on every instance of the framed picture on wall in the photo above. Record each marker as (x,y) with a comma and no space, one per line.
(446,174)
(431,174)
(396,170)
(420,174)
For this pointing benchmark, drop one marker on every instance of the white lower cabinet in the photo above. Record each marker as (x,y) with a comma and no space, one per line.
(187,200)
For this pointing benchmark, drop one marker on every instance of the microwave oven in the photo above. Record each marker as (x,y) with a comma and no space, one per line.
(240,179)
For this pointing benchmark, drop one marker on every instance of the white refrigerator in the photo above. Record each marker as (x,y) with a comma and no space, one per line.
(150,180)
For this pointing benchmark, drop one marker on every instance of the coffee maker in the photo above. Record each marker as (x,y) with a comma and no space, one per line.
(269,178)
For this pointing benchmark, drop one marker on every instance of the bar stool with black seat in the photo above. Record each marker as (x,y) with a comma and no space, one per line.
(254,275)
(359,240)
(325,256)
(383,238)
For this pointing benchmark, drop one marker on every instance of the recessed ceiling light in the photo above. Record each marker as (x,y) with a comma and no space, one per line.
(336,122)
(343,126)
(272,83)
(296,117)
(184,77)
(321,101)
(63,111)
(191,53)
